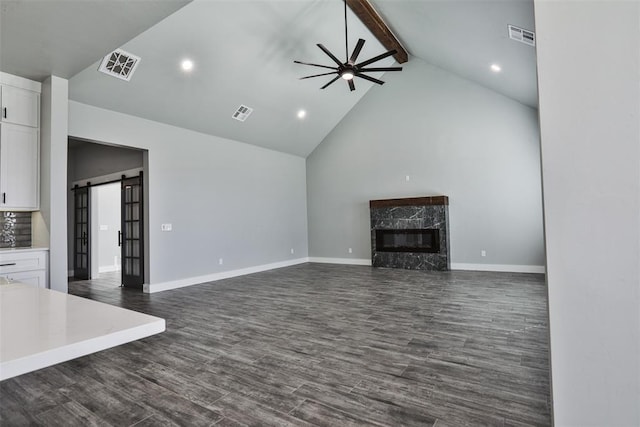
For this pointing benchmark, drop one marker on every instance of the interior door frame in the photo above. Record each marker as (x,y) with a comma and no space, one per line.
(113,177)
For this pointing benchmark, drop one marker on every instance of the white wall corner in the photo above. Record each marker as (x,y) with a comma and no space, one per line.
(53,175)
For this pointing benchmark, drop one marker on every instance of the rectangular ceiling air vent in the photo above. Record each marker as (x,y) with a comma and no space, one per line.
(119,64)
(521,35)
(242,113)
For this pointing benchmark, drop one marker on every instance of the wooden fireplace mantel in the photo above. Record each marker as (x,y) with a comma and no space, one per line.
(410,201)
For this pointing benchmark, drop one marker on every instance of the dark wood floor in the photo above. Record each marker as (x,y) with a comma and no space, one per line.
(311,345)
(109,280)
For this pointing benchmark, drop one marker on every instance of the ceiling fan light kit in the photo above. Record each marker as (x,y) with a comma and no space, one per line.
(347,74)
(349,69)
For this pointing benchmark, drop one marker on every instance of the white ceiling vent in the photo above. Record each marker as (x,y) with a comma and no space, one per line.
(242,113)
(521,35)
(119,64)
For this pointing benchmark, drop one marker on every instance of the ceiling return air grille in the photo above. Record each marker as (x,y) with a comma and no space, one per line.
(119,64)
(521,35)
(242,113)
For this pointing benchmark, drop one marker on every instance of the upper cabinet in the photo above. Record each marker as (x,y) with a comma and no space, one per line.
(19,144)
(19,168)
(20,106)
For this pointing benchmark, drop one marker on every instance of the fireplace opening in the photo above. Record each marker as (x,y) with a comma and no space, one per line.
(409,240)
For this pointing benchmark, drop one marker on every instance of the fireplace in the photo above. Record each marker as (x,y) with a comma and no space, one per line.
(412,240)
(411,233)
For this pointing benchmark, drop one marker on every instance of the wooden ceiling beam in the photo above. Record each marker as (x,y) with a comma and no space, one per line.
(374,22)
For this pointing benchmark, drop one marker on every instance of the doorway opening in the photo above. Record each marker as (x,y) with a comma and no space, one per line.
(106,233)
(106,215)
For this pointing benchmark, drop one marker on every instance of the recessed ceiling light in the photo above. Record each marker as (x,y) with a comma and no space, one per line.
(186,65)
(496,68)
(302,114)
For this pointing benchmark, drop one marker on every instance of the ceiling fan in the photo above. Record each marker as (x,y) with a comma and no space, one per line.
(350,69)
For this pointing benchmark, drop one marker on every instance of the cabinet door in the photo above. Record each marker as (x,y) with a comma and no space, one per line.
(19,171)
(37,278)
(12,261)
(20,106)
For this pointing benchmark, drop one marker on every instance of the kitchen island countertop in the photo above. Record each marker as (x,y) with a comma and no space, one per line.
(40,327)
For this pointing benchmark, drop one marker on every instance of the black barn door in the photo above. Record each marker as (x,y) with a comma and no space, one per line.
(132,232)
(81,247)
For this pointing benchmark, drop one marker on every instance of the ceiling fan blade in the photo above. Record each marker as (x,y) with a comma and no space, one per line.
(352,85)
(316,65)
(371,79)
(376,58)
(366,70)
(317,75)
(333,80)
(356,51)
(329,54)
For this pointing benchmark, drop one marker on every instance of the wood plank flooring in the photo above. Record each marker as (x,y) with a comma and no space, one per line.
(111,279)
(313,344)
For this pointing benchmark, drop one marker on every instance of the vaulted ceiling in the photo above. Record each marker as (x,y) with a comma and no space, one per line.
(243,52)
(39,38)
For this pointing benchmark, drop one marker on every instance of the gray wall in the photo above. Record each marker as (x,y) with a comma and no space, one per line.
(451,137)
(88,160)
(589,68)
(224,199)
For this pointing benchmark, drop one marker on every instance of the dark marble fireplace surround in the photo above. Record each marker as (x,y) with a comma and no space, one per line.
(415,213)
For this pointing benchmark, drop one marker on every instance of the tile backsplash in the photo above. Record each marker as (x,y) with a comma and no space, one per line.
(15,231)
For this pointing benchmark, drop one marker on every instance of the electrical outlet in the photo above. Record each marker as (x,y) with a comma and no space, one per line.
(220,262)
(166,227)
(292,251)
(350,250)
(483,253)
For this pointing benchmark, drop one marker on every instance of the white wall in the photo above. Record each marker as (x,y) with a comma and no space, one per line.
(451,137)
(589,74)
(108,214)
(224,199)
(50,224)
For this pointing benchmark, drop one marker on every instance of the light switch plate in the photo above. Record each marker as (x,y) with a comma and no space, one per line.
(166,227)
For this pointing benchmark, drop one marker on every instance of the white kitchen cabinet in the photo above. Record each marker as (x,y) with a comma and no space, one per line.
(19,144)
(19,168)
(20,106)
(37,279)
(25,265)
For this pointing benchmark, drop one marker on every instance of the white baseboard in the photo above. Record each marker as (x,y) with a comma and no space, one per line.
(108,268)
(181,283)
(499,267)
(348,261)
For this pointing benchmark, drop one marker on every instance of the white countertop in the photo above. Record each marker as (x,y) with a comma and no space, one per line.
(27,249)
(40,327)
